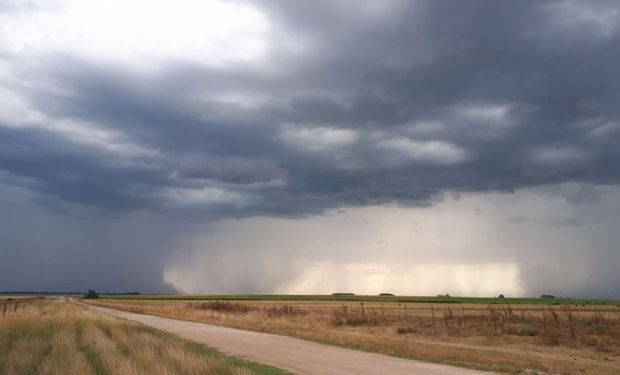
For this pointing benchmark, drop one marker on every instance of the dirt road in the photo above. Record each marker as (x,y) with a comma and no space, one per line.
(295,355)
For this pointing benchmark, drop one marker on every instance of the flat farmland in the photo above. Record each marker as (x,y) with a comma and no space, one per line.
(581,337)
(289,298)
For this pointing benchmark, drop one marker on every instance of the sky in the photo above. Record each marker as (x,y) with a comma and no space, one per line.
(409,147)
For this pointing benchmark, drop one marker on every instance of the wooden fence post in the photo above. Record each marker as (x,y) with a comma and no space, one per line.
(570,323)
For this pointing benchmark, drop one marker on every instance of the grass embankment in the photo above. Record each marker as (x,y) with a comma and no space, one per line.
(56,337)
(548,339)
(367,298)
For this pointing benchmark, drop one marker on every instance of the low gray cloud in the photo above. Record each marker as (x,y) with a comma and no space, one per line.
(320,105)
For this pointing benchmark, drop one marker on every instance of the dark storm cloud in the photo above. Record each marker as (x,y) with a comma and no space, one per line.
(354,103)
(526,96)
(48,246)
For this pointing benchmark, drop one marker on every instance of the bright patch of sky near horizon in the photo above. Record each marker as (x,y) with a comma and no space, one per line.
(519,244)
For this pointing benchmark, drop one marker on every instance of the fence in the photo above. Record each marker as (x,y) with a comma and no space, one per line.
(14,305)
(393,309)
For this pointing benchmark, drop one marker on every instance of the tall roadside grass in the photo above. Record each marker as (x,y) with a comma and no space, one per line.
(57,337)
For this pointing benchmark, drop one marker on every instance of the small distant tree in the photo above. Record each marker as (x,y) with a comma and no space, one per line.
(500,296)
(91,294)
(547,296)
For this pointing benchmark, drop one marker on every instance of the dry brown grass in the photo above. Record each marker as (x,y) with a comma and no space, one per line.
(58,337)
(557,340)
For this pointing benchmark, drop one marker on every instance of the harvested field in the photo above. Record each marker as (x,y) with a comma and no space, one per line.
(562,339)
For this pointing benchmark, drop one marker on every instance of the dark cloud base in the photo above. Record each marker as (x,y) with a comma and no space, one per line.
(424,61)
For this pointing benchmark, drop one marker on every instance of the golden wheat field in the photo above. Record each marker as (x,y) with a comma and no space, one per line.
(505,338)
(54,336)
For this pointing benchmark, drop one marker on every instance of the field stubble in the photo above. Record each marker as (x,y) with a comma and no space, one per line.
(546,339)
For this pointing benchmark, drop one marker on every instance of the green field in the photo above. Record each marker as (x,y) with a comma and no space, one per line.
(371,298)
